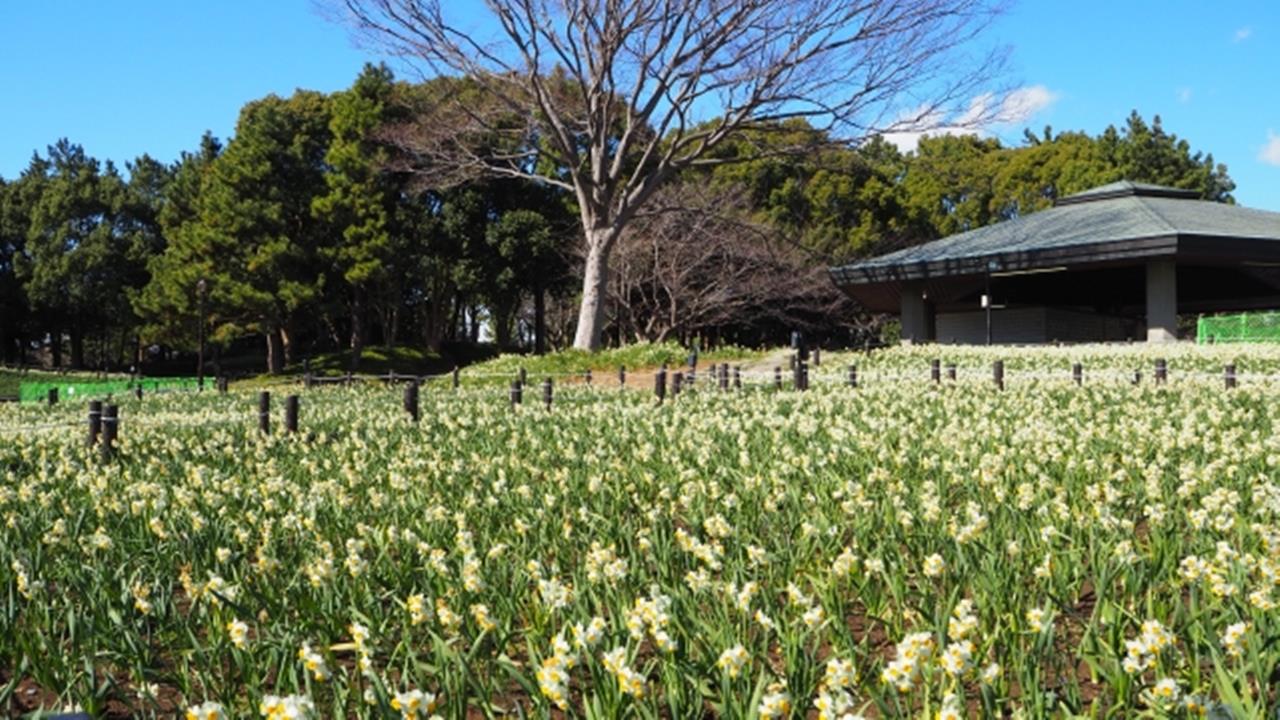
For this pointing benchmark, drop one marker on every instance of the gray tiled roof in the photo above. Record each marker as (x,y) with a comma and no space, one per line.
(1115,213)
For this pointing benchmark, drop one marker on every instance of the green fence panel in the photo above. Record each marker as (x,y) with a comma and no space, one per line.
(1260,327)
(73,389)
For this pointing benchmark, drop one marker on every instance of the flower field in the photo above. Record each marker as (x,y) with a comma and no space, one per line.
(899,550)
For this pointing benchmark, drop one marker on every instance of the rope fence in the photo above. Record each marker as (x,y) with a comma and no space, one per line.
(104,421)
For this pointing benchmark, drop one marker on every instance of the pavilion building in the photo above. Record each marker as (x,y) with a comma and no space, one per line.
(1118,262)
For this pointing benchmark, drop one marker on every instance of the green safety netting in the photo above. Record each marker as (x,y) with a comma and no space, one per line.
(72,389)
(1244,327)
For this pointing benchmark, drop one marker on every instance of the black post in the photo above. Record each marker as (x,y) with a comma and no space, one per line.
(1229,375)
(53,396)
(456,378)
(677,381)
(804,375)
(291,414)
(1162,371)
(777,378)
(817,357)
(997,373)
(411,399)
(1137,377)
(853,376)
(622,376)
(1077,374)
(110,429)
(517,393)
(951,371)
(660,384)
(95,422)
(264,412)
(724,376)
(520,376)
(935,371)
(546,393)
(586,376)
(737,377)
(137,391)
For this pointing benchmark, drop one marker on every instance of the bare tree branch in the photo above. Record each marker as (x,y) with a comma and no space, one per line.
(621,96)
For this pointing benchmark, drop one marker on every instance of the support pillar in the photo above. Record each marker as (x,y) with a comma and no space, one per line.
(1162,300)
(917,315)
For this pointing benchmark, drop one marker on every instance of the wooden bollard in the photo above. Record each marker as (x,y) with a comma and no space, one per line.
(677,382)
(1162,371)
(546,393)
(997,374)
(110,429)
(1077,374)
(1229,375)
(737,377)
(95,422)
(853,376)
(777,378)
(622,376)
(935,371)
(517,393)
(660,384)
(291,414)
(411,399)
(951,371)
(457,379)
(264,412)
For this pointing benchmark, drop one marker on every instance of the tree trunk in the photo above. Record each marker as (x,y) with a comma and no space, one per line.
(275,351)
(391,328)
(55,345)
(77,346)
(502,323)
(286,344)
(595,278)
(357,327)
(539,320)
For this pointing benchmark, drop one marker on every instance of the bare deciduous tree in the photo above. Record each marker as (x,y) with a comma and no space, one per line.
(697,263)
(619,96)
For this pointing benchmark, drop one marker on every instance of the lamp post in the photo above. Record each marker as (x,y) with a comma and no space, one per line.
(201,287)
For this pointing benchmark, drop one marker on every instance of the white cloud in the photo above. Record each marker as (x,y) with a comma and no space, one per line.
(1270,153)
(1243,33)
(1184,95)
(1024,103)
(1018,106)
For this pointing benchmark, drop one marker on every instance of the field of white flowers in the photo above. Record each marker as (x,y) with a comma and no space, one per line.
(899,550)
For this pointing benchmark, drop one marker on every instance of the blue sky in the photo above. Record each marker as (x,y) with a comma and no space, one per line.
(133,76)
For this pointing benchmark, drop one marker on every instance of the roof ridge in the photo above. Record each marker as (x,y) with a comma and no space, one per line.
(1151,212)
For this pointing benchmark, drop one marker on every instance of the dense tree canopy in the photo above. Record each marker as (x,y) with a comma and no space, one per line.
(312,231)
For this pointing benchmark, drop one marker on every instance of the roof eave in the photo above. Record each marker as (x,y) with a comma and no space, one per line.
(1010,261)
